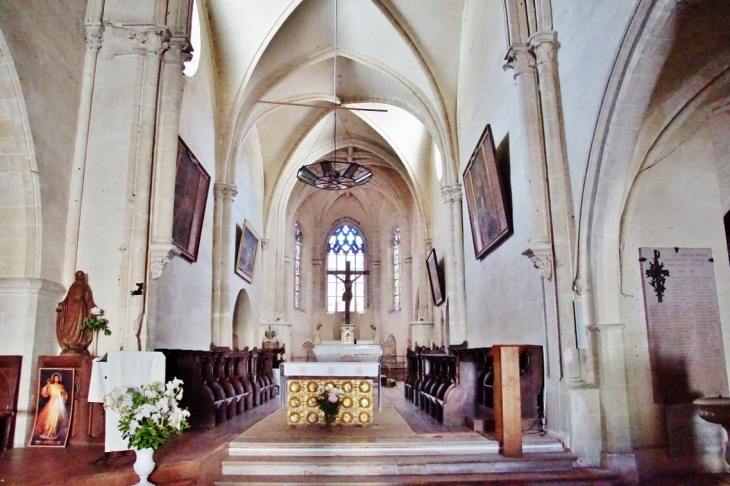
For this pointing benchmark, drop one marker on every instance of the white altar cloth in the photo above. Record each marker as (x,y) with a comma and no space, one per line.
(128,369)
(333,369)
(348,352)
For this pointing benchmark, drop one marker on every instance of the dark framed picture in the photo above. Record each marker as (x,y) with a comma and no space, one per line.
(435,278)
(247,251)
(54,404)
(486,197)
(191,194)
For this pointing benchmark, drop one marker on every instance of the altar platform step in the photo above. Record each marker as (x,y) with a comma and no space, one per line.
(532,468)
(423,446)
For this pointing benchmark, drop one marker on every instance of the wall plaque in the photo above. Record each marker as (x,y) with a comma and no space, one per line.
(683,320)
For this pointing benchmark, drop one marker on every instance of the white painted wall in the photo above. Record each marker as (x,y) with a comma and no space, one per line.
(500,309)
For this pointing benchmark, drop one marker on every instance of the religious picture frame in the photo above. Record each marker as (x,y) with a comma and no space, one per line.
(192,184)
(435,278)
(486,198)
(54,407)
(247,251)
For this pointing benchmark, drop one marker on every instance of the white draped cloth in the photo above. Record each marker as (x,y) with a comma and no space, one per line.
(122,369)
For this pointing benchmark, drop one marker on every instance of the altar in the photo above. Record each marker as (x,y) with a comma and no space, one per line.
(339,351)
(300,383)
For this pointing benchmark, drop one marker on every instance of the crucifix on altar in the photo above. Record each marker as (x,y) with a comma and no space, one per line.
(346,277)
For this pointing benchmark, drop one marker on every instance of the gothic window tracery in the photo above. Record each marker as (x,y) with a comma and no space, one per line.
(396,269)
(297,264)
(345,244)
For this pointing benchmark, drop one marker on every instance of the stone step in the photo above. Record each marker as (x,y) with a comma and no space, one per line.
(395,465)
(575,477)
(386,447)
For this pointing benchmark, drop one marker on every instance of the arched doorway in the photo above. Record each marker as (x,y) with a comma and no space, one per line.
(244,327)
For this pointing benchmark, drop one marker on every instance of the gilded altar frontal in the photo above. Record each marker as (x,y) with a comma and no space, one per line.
(356,404)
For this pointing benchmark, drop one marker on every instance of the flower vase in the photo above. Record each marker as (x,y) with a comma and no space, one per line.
(144,465)
(96,343)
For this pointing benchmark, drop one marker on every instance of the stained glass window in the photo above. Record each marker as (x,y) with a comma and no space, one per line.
(345,244)
(396,269)
(297,264)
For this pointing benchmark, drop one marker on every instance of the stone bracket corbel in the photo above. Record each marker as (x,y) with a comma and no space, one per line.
(542,258)
(160,255)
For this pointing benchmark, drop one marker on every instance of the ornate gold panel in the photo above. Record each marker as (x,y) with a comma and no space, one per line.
(356,404)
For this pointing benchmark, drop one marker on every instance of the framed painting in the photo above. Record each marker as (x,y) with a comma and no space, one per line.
(435,278)
(191,194)
(54,403)
(247,251)
(486,197)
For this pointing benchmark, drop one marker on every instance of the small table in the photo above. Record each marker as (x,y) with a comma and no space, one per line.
(300,382)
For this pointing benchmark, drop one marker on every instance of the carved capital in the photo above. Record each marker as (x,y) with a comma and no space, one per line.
(264,243)
(520,60)
(222,190)
(139,39)
(94,37)
(179,52)
(456,193)
(543,45)
(451,193)
(542,258)
(160,255)
(446,194)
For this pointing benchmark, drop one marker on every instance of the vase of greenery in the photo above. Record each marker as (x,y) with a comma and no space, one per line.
(148,416)
(96,322)
(329,402)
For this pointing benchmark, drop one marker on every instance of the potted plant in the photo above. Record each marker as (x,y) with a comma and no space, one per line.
(94,323)
(148,416)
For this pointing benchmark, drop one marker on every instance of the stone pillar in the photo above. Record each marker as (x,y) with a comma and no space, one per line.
(423,313)
(318,300)
(406,291)
(617,453)
(459,273)
(94,32)
(374,288)
(114,222)
(561,204)
(223,255)
(539,249)
(448,224)
(163,204)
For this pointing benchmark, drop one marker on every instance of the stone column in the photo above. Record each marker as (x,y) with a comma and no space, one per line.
(94,33)
(163,204)
(318,300)
(406,294)
(459,273)
(113,227)
(375,291)
(423,312)
(448,261)
(617,453)
(221,320)
(561,204)
(539,249)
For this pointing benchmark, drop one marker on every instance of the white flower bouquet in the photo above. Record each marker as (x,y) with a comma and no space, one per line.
(329,402)
(150,414)
(96,322)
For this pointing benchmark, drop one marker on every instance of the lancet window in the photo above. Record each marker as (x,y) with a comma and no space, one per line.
(345,244)
(297,264)
(396,269)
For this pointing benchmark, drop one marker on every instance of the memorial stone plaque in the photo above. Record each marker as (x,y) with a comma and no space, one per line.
(683,319)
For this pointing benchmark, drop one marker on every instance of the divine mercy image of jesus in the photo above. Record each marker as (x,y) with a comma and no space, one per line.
(53,411)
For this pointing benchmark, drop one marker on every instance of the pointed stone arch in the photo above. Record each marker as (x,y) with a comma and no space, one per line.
(20,200)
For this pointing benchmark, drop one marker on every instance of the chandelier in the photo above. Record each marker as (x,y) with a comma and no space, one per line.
(335,175)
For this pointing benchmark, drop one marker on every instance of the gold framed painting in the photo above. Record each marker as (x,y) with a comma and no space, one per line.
(247,251)
(486,198)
